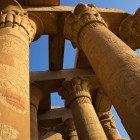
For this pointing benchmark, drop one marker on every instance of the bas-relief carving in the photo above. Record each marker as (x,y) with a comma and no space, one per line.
(20,55)
(17,20)
(130,63)
(14,96)
(82,16)
(14,74)
(13,89)
(77,96)
(119,75)
(67,130)
(129,30)
(11,45)
(7,132)
(107,120)
(77,88)
(16,32)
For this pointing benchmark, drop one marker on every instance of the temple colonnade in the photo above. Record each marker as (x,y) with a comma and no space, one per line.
(116,65)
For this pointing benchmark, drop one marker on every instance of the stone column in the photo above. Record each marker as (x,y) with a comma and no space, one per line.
(109,126)
(36,95)
(67,130)
(102,103)
(77,97)
(117,66)
(16,33)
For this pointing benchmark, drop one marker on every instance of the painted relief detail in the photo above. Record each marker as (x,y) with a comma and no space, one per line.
(17,101)
(8,132)
(14,73)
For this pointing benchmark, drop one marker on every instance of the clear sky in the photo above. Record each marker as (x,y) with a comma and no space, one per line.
(39,49)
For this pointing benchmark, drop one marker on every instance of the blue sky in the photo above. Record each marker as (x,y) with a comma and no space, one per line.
(39,49)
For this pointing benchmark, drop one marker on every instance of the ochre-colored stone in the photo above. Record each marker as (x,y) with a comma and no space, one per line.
(36,94)
(108,63)
(116,65)
(77,97)
(109,126)
(16,33)
(67,130)
(129,30)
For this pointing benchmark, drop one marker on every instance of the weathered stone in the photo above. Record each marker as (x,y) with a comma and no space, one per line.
(129,30)
(67,130)
(16,33)
(83,15)
(36,94)
(109,126)
(77,97)
(52,136)
(116,65)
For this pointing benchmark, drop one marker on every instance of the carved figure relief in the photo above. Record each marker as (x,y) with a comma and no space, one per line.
(14,73)
(107,120)
(8,132)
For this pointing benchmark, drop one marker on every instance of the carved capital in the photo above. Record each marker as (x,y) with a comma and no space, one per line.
(67,129)
(109,125)
(83,15)
(107,120)
(129,30)
(15,17)
(75,89)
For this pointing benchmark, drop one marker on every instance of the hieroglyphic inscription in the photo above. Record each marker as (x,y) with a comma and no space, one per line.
(14,95)
(14,73)
(8,132)
(67,130)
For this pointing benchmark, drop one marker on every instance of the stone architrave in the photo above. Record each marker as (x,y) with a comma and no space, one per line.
(36,94)
(116,65)
(109,126)
(67,130)
(16,33)
(77,96)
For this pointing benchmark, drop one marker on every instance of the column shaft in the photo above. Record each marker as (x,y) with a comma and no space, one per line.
(102,102)
(86,121)
(109,126)
(77,96)
(14,74)
(33,122)
(36,94)
(14,85)
(116,65)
